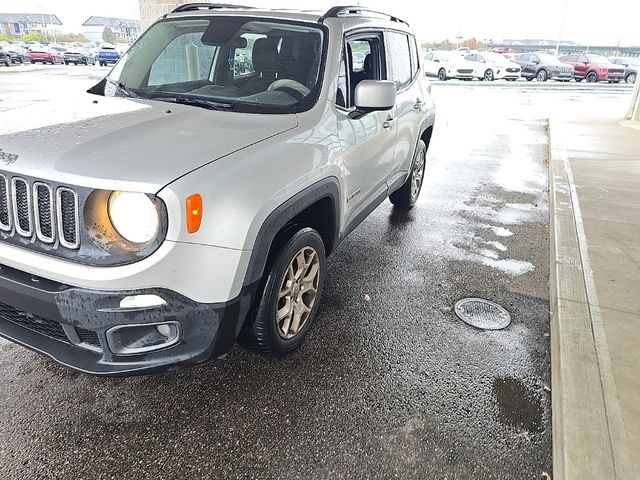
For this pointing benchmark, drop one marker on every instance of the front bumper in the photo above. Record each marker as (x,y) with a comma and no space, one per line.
(69,324)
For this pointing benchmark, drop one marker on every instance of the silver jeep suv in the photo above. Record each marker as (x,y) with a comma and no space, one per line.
(190,199)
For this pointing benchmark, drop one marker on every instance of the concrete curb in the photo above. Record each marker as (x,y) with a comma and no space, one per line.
(585,426)
(19,69)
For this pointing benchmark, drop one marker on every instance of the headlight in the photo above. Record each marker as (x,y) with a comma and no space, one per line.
(134,216)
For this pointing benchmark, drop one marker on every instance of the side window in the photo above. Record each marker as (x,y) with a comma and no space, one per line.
(429,56)
(582,59)
(534,58)
(173,64)
(415,60)
(399,56)
(243,57)
(362,61)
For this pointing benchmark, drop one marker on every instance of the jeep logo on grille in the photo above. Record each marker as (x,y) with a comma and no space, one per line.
(7,158)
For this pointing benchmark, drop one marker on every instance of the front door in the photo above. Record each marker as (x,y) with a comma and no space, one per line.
(368,143)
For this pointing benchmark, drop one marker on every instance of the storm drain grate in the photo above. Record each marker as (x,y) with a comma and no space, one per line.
(483,314)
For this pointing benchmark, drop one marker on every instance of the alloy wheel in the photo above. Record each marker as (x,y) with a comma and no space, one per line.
(442,74)
(631,78)
(542,76)
(592,77)
(488,76)
(417,175)
(298,293)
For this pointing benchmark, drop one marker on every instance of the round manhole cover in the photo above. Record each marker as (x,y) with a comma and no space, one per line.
(481,313)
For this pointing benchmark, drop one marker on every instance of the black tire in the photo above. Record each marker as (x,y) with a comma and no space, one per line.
(442,74)
(262,333)
(529,79)
(578,80)
(541,75)
(405,196)
(7,63)
(631,78)
(592,77)
(33,62)
(488,75)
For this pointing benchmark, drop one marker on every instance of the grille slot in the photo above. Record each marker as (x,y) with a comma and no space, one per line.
(5,219)
(22,206)
(88,336)
(67,213)
(43,208)
(33,322)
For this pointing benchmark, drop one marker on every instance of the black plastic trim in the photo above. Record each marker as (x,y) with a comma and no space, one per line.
(326,188)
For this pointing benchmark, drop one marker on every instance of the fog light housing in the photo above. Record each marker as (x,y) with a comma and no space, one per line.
(143,338)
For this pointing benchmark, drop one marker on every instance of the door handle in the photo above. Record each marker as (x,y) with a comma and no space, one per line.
(388,122)
(418,104)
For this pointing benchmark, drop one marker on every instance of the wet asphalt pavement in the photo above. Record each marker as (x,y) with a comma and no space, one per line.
(389,383)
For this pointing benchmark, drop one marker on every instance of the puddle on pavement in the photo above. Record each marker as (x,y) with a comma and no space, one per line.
(518,405)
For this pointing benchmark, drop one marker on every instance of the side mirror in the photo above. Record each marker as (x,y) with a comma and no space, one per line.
(436,60)
(372,96)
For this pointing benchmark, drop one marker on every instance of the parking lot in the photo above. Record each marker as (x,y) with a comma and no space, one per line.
(390,383)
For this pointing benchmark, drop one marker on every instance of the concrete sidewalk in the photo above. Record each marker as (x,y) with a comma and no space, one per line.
(595,298)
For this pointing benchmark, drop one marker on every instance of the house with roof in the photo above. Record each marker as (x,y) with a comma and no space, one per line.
(123,27)
(23,23)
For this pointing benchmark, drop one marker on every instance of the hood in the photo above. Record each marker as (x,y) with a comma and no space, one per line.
(124,144)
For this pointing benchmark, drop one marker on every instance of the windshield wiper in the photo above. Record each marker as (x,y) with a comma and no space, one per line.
(127,91)
(191,101)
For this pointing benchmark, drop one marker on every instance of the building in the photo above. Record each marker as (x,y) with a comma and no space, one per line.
(151,10)
(23,23)
(124,27)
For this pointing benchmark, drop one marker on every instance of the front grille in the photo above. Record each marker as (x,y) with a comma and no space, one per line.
(88,336)
(513,70)
(33,322)
(616,70)
(5,221)
(465,70)
(39,209)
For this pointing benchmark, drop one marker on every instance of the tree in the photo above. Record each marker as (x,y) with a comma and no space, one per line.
(34,36)
(108,35)
(72,37)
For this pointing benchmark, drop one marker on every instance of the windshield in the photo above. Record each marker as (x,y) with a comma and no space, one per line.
(492,57)
(238,63)
(549,59)
(448,56)
(597,59)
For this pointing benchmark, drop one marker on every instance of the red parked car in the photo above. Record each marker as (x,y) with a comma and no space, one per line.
(46,56)
(594,68)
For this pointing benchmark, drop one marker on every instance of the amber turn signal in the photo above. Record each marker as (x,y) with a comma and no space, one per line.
(194,212)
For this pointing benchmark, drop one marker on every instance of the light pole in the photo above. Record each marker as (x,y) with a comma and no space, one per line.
(564,17)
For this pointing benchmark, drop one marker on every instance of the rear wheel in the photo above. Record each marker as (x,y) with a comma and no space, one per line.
(631,78)
(592,77)
(407,195)
(442,74)
(289,299)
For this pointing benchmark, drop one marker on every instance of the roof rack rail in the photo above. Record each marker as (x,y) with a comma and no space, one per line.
(188,7)
(346,10)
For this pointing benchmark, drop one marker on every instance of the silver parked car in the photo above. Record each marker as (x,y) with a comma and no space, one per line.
(187,203)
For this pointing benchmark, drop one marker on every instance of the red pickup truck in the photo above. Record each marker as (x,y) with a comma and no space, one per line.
(594,68)
(43,56)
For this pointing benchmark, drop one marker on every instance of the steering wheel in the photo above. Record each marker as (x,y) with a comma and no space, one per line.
(288,85)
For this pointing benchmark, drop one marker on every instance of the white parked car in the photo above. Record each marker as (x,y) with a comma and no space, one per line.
(185,204)
(446,64)
(490,66)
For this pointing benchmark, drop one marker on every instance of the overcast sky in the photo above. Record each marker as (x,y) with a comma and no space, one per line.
(588,21)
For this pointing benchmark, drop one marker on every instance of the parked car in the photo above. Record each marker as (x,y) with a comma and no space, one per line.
(490,66)
(594,68)
(446,64)
(5,57)
(108,55)
(45,56)
(18,54)
(543,66)
(631,64)
(188,207)
(78,58)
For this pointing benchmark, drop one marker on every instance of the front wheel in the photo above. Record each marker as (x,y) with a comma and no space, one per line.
(442,74)
(631,78)
(407,195)
(488,76)
(592,77)
(290,296)
(541,76)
